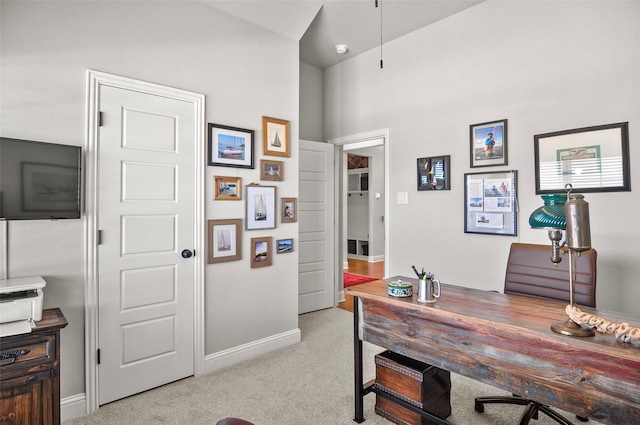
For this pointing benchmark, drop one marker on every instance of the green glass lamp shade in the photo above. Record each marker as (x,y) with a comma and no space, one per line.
(551,215)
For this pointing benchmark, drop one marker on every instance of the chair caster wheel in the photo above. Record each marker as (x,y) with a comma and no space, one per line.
(582,418)
(478,407)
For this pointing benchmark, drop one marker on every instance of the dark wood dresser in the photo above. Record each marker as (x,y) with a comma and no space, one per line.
(30,373)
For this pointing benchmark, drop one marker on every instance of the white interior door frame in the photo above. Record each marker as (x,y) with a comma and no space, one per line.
(95,79)
(357,141)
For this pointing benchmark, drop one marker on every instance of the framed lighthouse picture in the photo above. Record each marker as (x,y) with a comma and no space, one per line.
(275,137)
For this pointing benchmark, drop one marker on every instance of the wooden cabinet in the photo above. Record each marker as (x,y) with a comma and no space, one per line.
(30,373)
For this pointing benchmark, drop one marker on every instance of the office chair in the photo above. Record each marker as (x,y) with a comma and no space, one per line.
(233,421)
(531,273)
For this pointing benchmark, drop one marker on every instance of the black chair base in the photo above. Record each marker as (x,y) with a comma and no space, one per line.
(531,412)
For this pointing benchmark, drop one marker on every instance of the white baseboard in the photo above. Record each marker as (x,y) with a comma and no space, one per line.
(225,358)
(73,407)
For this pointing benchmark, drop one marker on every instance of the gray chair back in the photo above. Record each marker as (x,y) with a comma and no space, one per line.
(531,273)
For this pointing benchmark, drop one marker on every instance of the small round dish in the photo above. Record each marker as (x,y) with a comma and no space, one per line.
(398,288)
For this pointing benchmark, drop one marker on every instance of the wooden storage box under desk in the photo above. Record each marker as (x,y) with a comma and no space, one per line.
(420,384)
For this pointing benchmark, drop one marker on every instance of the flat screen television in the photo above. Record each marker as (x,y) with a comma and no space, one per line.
(39,181)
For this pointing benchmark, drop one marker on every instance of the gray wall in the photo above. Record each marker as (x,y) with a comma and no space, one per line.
(245,72)
(544,66)
(311,103)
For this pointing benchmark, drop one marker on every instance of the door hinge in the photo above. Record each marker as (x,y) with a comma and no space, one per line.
(98,356)
(100,119)
(99,237)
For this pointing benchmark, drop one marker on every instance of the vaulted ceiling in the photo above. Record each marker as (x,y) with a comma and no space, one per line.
(321,25)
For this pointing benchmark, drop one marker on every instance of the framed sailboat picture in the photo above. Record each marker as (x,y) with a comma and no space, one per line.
(271,170)
(261,207)
(225,240)
(230,146)
(228,188)
(275,136)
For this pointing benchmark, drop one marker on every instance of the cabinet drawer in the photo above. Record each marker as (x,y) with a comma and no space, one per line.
(26,352)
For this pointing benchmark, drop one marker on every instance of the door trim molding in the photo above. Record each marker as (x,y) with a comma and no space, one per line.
(356,141)
(96,79)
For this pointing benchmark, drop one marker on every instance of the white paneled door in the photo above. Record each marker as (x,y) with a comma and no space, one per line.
(316,258)
(145,253)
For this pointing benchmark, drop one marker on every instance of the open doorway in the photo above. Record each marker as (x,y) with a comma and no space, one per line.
(369,188)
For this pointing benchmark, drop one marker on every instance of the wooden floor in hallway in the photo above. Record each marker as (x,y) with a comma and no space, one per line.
(361,267)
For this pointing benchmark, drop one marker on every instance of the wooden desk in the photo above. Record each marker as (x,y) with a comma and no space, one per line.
(504,341)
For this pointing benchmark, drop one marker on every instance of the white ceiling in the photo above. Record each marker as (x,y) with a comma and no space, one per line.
(320,25)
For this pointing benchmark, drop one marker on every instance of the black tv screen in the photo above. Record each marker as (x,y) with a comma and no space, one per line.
(39,181)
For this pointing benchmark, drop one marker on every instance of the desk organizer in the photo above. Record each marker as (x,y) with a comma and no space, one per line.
(419,384)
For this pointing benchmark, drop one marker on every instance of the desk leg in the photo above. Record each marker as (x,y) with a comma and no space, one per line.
(357,364)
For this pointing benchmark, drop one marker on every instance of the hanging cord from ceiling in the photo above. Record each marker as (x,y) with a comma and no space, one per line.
(376,2)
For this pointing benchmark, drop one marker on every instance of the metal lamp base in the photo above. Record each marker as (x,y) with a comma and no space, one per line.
(571,328)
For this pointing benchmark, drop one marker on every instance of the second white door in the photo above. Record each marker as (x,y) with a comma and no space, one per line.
(316,228)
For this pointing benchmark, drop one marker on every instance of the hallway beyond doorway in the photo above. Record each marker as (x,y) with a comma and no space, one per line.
(364,268)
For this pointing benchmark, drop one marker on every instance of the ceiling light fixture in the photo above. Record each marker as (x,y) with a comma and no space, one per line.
(342,48)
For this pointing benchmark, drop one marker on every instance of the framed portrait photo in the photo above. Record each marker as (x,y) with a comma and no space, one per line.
(271,170)
(275,137)
(225,240)
(228,188)
(261,254)
(289,210)
(230,146)
(261,207)
(591,159)
(488,144)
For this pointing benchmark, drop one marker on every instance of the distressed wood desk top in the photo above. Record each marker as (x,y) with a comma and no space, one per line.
(506,341)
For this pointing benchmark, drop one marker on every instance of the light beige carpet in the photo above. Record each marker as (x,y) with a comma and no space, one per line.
(310,383)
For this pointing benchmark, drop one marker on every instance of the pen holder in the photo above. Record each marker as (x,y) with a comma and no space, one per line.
(427,292)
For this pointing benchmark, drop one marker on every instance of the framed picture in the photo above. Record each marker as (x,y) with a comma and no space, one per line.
(591,159)
(48,187)
(271,170)
(289,210)
(225,240)
(488,144)
(261,207)
(228,188)
(284,246)
(275,136)
(433,173)
(490,203)
(261,255)
(230,146)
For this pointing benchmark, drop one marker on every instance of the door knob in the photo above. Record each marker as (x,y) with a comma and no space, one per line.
(186,253)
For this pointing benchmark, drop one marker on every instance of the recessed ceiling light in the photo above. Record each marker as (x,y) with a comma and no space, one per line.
(342,48)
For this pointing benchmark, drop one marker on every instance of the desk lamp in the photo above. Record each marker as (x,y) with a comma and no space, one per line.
(569,214)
